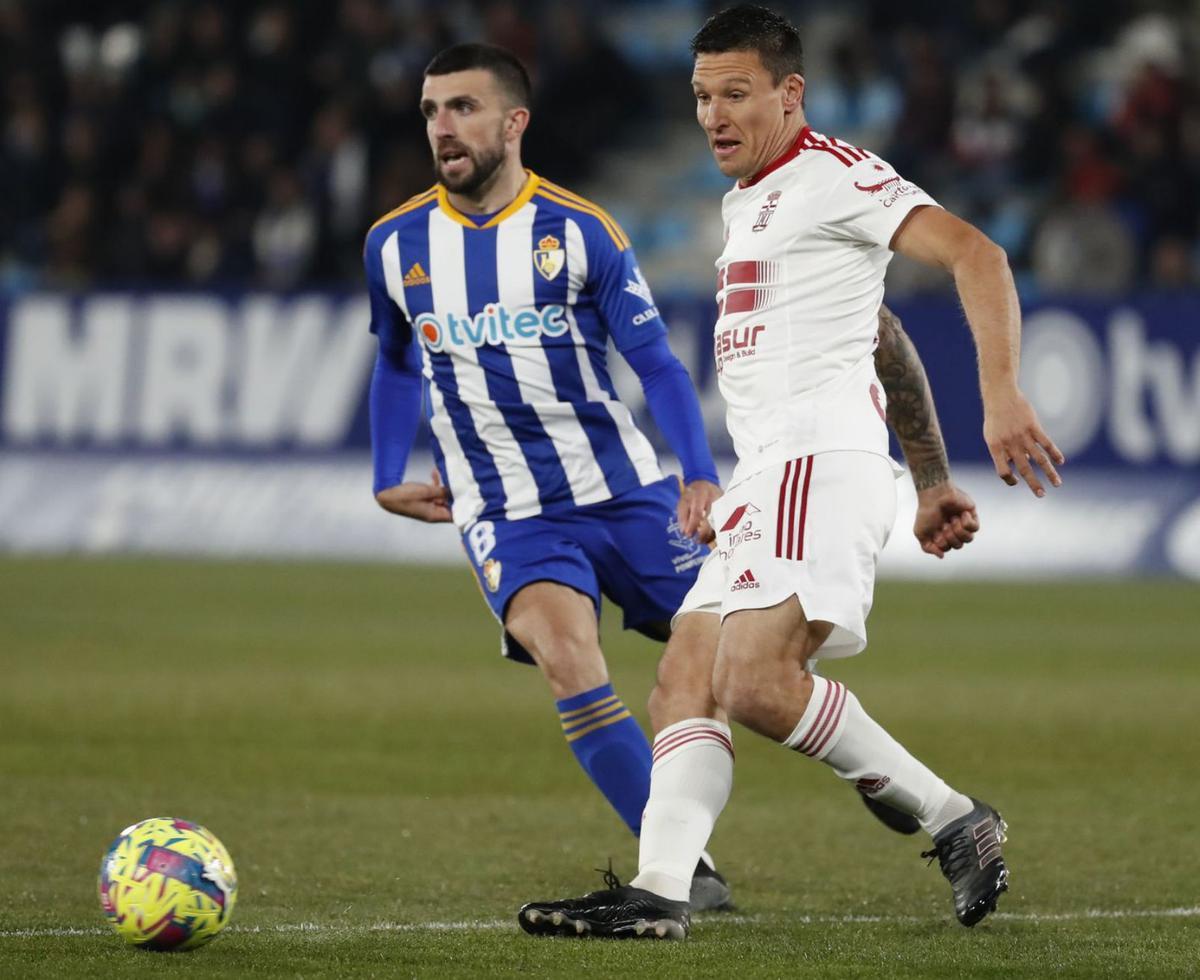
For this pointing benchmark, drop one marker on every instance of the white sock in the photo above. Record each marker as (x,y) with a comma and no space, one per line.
(689,787)
(835,730)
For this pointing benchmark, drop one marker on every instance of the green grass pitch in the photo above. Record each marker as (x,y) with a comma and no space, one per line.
(391,791)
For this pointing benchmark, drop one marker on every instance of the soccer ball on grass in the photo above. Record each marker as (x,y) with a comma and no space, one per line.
(167,884)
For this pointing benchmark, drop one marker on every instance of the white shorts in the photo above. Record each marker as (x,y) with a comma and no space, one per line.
(812,527)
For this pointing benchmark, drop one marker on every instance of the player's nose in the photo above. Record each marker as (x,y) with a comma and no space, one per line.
(713,118)
(443,125)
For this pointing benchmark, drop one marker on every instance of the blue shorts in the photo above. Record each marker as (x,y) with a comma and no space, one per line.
(629,548)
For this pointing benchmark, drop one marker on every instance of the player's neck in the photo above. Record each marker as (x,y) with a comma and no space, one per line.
(778,147)
(496,194)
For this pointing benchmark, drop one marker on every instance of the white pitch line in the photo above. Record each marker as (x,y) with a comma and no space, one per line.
(484,925)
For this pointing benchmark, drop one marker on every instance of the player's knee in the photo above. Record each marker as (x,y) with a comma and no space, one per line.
(568,655)
(683,687)
(658,706)
(665,692)
(737,688)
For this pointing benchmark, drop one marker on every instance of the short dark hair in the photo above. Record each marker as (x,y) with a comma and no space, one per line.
(749,27)
(505,67)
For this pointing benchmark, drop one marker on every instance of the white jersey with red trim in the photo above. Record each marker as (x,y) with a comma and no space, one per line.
(799,287)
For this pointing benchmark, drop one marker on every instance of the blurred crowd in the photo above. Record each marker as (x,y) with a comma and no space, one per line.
(206,143)
(1069,131)
(209,143)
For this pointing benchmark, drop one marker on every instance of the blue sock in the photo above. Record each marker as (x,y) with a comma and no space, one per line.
(611,747)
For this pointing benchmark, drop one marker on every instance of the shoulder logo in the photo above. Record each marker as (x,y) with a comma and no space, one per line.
(416,276)
(889,189)
(549,257)
(768,209)
(639,287)
(875,188)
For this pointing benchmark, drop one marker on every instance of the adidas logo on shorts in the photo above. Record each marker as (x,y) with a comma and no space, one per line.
(745,581)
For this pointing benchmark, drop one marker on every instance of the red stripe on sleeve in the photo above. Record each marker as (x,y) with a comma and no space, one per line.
(815,144)
(852,152)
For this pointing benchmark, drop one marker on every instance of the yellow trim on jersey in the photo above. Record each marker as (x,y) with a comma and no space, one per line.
(518,202)
(614,231)
(410,205)
(603,723)
(592,206)
(607,702)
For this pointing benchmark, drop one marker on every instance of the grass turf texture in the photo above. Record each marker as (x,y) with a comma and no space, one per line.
(353,737)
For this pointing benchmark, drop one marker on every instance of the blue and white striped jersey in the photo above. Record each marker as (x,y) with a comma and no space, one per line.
(511,319)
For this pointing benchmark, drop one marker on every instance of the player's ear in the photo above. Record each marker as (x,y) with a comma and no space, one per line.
(516,122)
(793,93)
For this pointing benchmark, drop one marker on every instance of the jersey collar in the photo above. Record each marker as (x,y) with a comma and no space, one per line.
(531,184)
(790,153)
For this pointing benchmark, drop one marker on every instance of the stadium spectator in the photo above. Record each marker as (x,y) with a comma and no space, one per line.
(144,136)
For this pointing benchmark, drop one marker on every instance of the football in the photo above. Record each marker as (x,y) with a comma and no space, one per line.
(167,884)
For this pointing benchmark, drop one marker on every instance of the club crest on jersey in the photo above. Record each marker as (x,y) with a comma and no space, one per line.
(491,574)
(768,209)
(549,257)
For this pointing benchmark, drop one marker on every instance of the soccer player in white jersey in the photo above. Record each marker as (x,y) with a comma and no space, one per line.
(809,230)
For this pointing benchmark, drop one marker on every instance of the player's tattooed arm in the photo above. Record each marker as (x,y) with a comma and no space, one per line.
(910,409)
(946,517)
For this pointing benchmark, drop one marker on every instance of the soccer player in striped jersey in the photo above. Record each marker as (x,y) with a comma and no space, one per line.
(494,296)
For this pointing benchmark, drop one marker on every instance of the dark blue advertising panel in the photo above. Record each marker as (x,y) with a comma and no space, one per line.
(237,423)
(1117,385)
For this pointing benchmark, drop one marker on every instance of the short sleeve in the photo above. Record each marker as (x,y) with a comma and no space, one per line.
(622,294)
(388,321)
(869,201)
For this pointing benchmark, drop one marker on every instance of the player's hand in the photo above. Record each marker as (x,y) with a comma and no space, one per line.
(1017,441)
(694,503)
(946,519)
(429,502)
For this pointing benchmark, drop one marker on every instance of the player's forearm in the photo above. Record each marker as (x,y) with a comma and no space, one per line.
(910,409)
(671,398)
(989,299)
(394,404)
